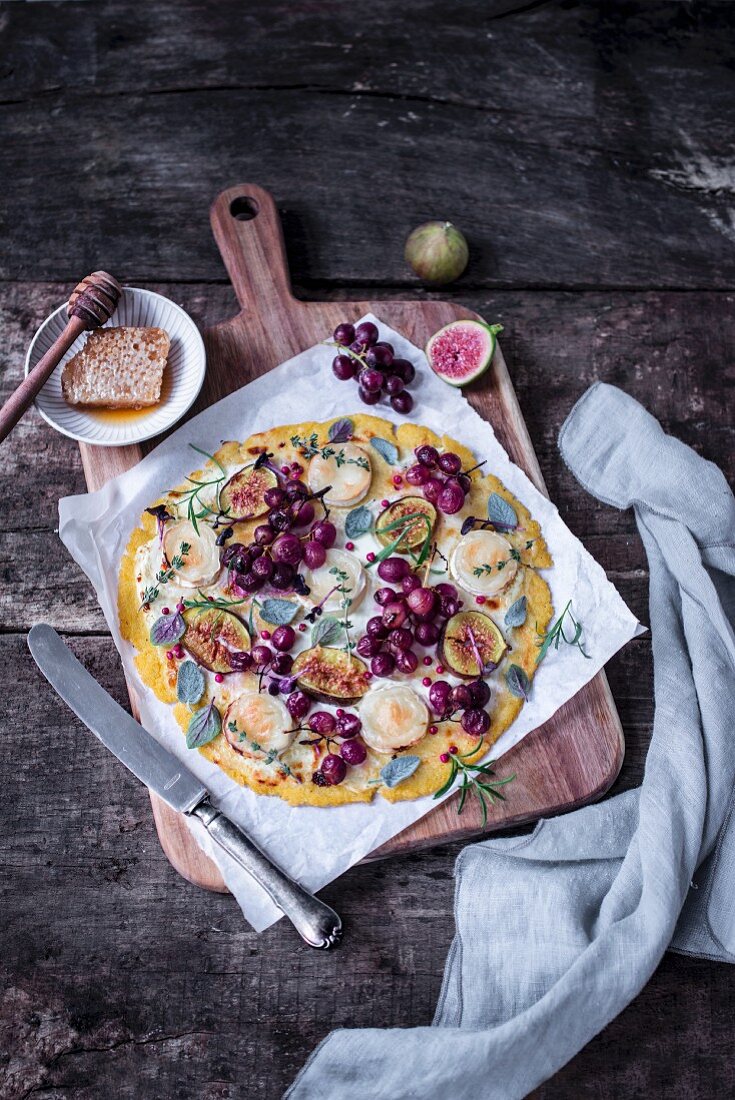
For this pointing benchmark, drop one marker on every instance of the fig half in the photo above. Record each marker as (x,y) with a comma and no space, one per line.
(467,636)
(241,498)
(414,532)
(331,675)
(213,636)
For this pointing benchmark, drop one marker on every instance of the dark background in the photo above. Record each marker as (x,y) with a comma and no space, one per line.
(587,150)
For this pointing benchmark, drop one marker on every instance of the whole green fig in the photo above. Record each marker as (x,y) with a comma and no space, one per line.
(437,252)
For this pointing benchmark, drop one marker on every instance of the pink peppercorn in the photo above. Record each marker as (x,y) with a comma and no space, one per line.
(367,675)
(453,749)
(370,556)
(397,480)
(426,681)
(285,470)
(349,546)
(439,669)
(218,678)
(180,606)
(169,655)
(178,652)
(479,599)
(296,470)
(302,627)
(340,712)
(444,758)
(265,634)
(427,660)
(433,729)
(166,611)
(384,503)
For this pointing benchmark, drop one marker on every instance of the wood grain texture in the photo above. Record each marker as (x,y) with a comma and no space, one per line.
(587,146)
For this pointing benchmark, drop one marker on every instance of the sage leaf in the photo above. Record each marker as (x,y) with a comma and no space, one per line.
(358,522)
(204,726)
(168,629)
(190,683)
(385,449)
(395,771)
(326,630)
(518,682)
(516,613)
(341,431)
(500,513)
(278,612)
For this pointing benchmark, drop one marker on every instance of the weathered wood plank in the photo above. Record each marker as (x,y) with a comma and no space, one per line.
(567,141)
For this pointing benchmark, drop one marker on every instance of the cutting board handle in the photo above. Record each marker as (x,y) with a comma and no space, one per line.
(247,228)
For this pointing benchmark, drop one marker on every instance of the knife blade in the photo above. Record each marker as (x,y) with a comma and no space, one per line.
(163,773)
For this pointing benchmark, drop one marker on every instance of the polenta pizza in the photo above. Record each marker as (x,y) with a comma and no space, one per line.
(336,609)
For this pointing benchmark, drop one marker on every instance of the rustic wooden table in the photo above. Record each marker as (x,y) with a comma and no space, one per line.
(587,150)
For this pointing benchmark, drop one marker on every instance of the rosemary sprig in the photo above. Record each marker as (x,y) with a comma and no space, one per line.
(401,523)
(209,603)
(477,779)
(163,576)
(555,634)
(310,447)
(192,497)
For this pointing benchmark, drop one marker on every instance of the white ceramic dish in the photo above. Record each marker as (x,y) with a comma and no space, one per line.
(182,379)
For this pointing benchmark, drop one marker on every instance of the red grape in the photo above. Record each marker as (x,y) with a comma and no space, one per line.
(461,696)
(427,633)
(322,722)
(368,397)
(298,705)
(406,661)
(393,384)
(334,769)
(476,722)
(283,638)
(394,614)
(348,725)
(315,554)
(448,607)
(404,369)
(283,576)
(264,534)
(465,483)
(393,569)
(417,475)
(325,533)
(367,333)
(382,664)
(344,334)
(376,628)
(402,403)
(274,498)
(303,513)
(385,595)
(344,367)
(451,498)
(409,583)
(371,380)
(261,655)
(439,693)
(480,692)
(445,589)
(353,752)
(288,549)
(262,567)
(400,638)
(427,455)
(282,662)
(423,602)
(380,355)
(432,489)
(369,645)
(450,463)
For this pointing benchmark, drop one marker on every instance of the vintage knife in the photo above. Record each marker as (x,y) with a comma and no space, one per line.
(160,770)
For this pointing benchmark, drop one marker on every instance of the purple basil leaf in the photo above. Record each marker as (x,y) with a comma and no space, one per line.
(341,431)
(168,629)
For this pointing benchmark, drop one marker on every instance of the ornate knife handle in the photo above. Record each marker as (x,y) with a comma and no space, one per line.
(315,922)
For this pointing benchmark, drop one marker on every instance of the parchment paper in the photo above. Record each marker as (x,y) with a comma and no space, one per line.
(313,844)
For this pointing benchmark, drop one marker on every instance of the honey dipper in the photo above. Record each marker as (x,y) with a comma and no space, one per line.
(91,304)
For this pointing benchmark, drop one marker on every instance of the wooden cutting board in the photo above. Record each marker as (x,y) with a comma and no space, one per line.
(570,760)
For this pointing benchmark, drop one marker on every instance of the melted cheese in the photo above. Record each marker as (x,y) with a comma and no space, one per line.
(263,725)
(200,563)
(321,581)
(393,718)
(475,551)
(347,473)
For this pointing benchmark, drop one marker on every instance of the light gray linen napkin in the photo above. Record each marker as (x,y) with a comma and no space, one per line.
(558,931)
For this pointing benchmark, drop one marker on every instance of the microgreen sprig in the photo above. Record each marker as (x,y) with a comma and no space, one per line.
(401,523)
(515,555)
(192,497)
(478,779)
(310,447)
(556,634)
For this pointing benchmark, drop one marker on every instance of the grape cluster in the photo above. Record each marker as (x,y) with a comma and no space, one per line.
(375,365)
(339,734)
(440,478)
(411,613)
(288,536)
(467,700)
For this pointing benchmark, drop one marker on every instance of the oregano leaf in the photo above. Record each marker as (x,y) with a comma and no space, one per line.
(204,726)
(518,682)
(516,613)
(385,449)
(190,683)
(358,522)
(395,771)
(501,513)
(278,612)
(326,630)
(168,629)
(341,431)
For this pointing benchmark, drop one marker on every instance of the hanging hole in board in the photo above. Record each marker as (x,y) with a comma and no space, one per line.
(243,208)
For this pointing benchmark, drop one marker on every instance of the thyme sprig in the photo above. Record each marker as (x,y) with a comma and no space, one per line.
(515,555)
(163,576)
(270,755)
(192,497)
(310,447)
(345,604)
(556,634)
(477,779)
